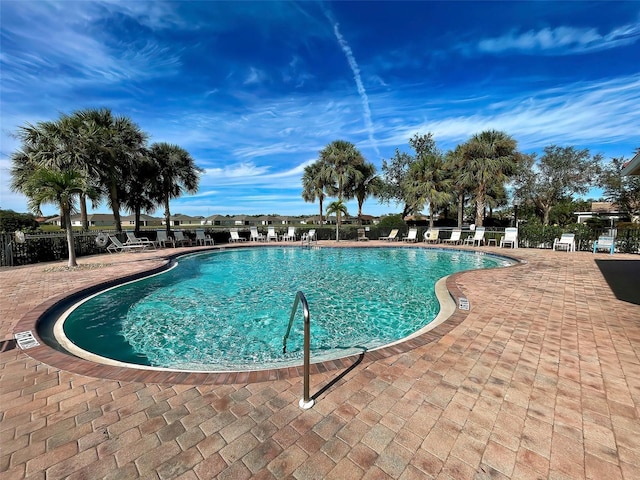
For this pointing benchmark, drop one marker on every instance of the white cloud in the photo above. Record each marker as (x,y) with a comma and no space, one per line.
(600,112)
(254,77)
(561,40)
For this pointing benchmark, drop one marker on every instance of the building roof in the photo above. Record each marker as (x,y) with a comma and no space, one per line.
(143,217)
(633,166)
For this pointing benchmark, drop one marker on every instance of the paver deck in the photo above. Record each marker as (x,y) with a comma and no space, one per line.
(540,379)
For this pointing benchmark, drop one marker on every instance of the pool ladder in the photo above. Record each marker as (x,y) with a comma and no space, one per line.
(305,402)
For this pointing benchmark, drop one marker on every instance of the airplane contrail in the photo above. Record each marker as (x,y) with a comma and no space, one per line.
(356,76)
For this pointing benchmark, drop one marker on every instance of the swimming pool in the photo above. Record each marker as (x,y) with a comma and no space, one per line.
(228,310)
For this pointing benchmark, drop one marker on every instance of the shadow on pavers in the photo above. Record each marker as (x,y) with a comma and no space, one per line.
(623,277)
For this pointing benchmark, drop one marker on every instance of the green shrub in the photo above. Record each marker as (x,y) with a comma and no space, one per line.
(392,221)
(11,221)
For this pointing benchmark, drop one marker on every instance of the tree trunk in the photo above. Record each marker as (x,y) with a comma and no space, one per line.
(137,225)
(405,211)
(479,208)
(83,212)
(115,206)
(167,215)
(70,243)
(430,215)
(546,210)
(63,219)
(321,222)
(460,209)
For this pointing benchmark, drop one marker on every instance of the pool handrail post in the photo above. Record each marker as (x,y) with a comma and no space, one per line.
(305,402)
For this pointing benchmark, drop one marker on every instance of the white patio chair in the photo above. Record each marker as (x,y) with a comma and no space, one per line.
(271,234)
(202,239)
(133,240)
(290,236)
(455,237)
(181,239)
(309,237)
(235,237)
(431,235)
(510,237)
(256,236)
(392,237)
(117,246)
(412,236)
(567,241)
(478,237)
(162,239)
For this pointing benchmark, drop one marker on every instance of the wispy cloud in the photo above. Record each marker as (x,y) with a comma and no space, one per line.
(248,173)
(561,40)
(602,112)
(357,78)
(254,77)
(77,55)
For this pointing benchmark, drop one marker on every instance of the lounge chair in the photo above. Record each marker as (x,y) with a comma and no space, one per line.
(567,241)
(604,242)
(181,239)
(256,236)
(202,239)
(478,237)
(290,235)
(412,236)
(455,237)
(162,239)
(117,246)
(392,237)
(271,234)
(133,240)
(362,236)
(431,235)
(510,237)
(235,237)
(309,237)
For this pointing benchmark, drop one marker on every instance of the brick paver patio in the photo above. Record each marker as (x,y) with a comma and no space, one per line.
(540,379)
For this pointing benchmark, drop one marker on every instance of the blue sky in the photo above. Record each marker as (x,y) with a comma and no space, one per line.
(254,90)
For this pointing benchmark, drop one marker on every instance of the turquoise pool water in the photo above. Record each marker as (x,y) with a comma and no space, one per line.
(228,310)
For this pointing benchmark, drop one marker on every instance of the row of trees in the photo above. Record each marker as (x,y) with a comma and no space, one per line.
(340,172)
(93,156)
(479,170)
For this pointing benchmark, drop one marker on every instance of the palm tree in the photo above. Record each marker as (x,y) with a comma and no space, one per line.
(342,157)
(141,189)
(489,159)
(314,184)
(177,173)
(429,182)
(454,163)
(110,146)
(48,185)
(367,183)
(339,208)
(49,144)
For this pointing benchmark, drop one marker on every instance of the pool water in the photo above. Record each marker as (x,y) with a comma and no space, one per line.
(229,309)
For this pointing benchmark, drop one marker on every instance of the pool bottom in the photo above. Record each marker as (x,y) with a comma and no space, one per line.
(447,308)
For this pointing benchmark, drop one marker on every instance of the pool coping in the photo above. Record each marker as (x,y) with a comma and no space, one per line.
(73,364)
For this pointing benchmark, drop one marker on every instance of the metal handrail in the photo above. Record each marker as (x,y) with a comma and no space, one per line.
(305,402)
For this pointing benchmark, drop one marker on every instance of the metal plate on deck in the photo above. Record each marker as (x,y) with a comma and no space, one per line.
(26,340)
(463,304)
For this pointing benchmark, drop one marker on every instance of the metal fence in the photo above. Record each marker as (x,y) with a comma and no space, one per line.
(45,247)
